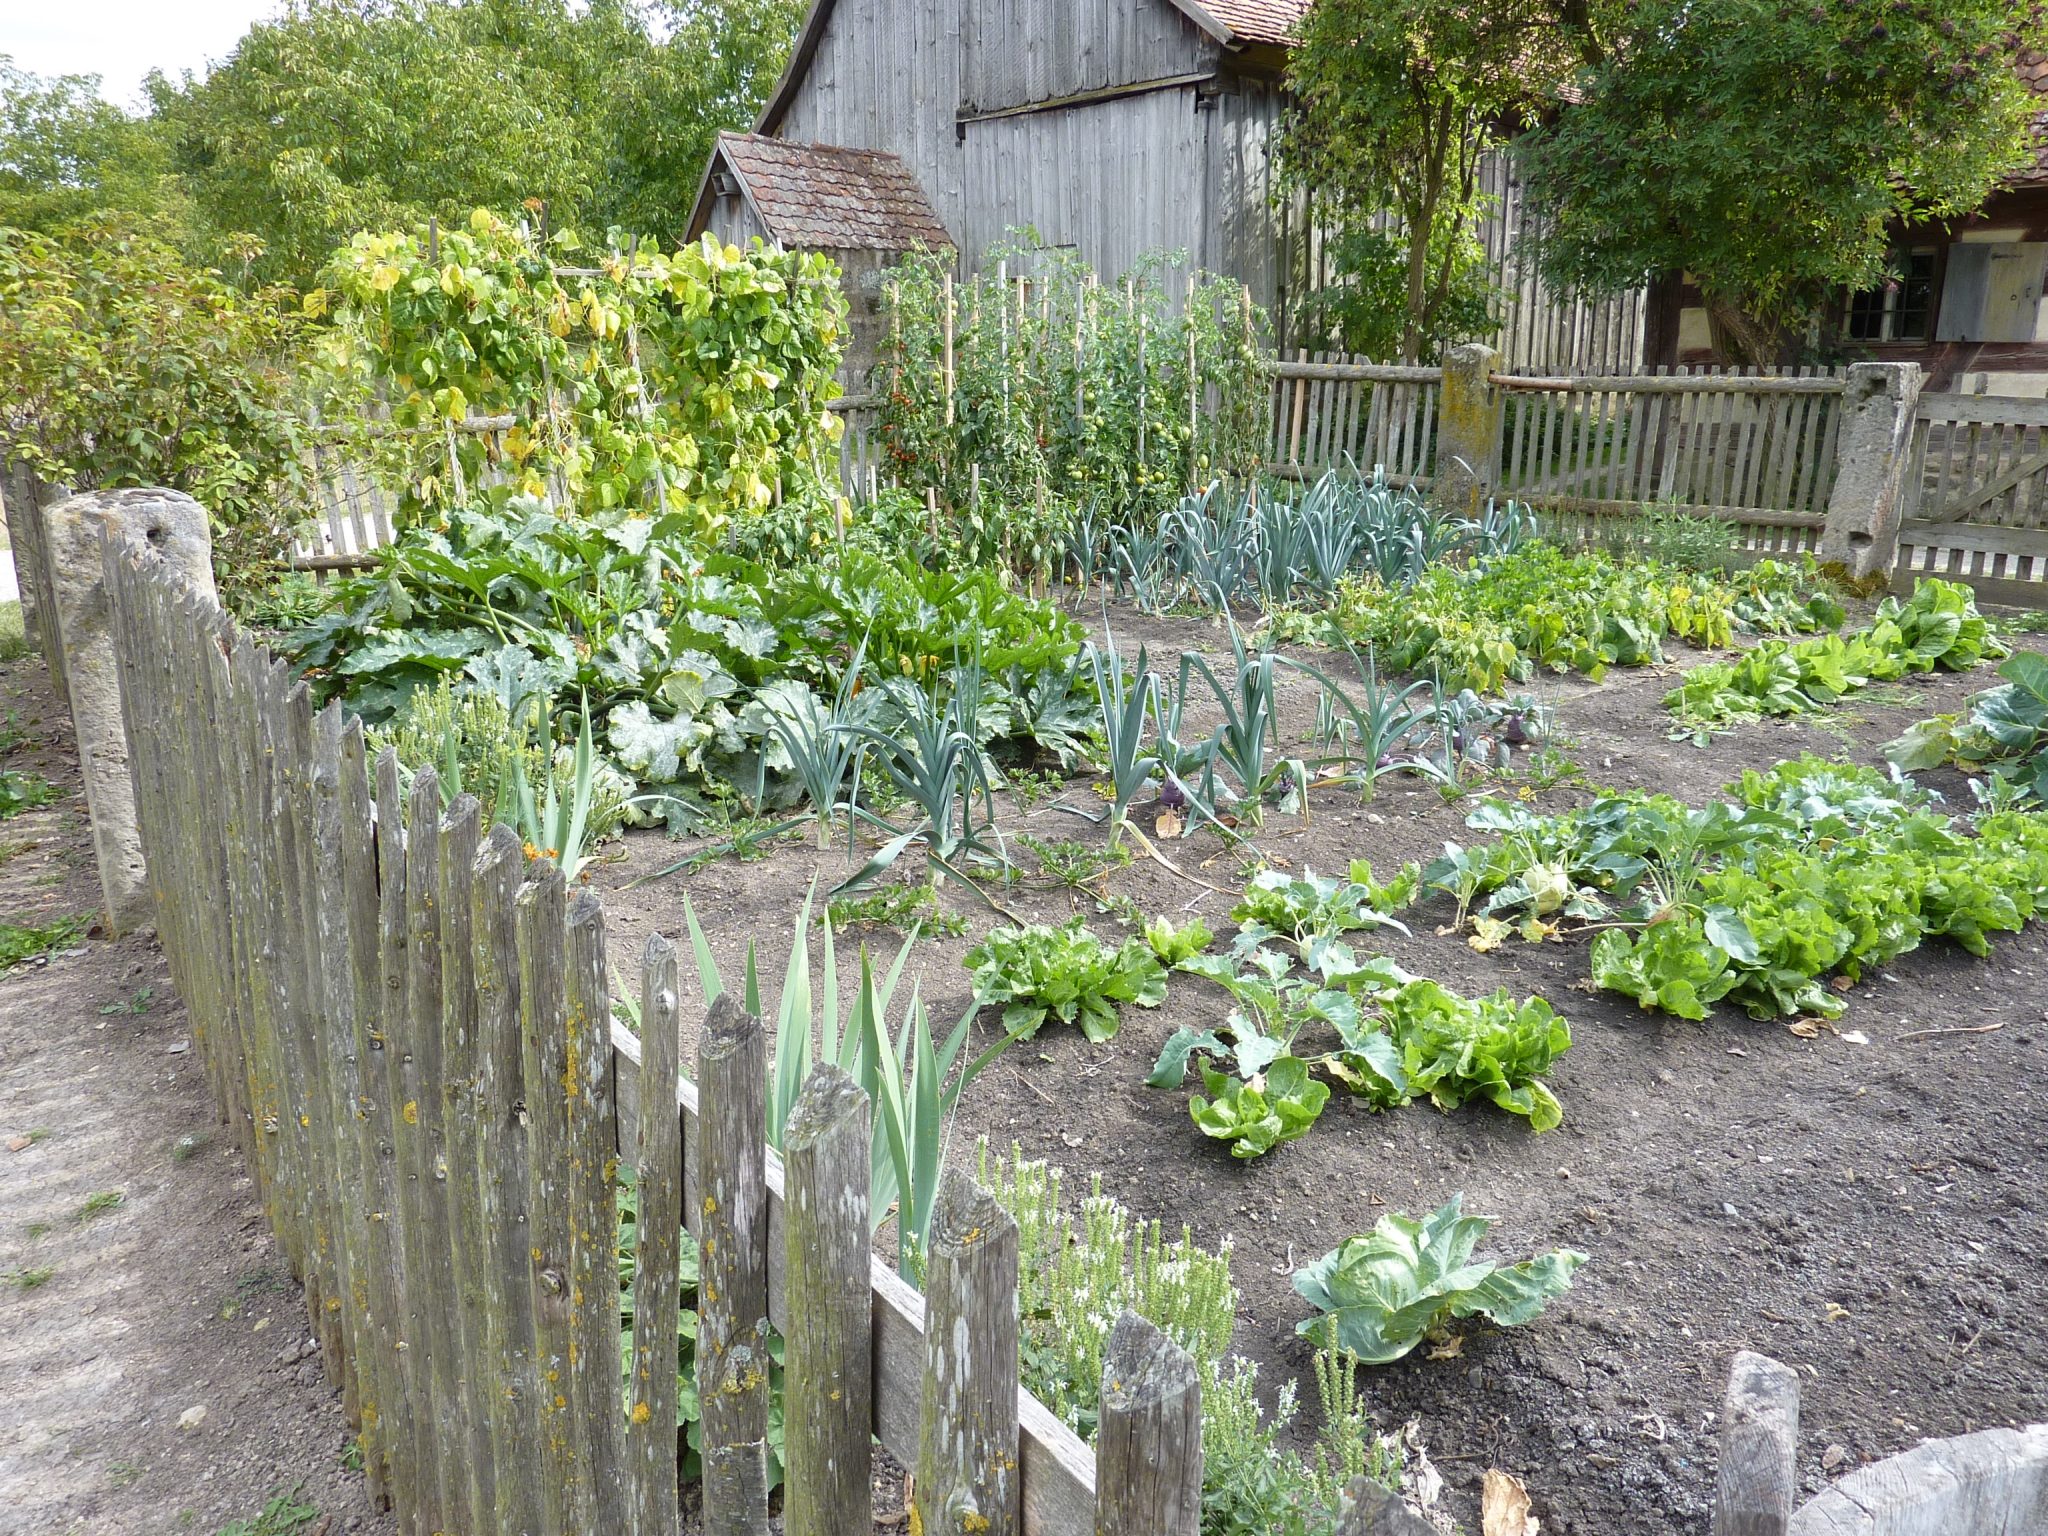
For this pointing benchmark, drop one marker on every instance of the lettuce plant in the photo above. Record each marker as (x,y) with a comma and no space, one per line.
(1039,972)
(1379,1295)
(1279,1104)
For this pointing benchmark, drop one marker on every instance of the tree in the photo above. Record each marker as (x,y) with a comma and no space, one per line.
(342,115)
(65,154)
(1397,101)
(1767,146)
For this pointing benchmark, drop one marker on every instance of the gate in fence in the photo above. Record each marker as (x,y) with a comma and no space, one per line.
(408,1024)
(1979,470)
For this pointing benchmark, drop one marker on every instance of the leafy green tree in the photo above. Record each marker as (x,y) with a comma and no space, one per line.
(344,115)
(1766,146)
(126,365)
(66,154)
(1398,101)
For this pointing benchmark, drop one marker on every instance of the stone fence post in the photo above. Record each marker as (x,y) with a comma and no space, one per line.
(1873,447)
(174,525)
(1468,431)
(24,495)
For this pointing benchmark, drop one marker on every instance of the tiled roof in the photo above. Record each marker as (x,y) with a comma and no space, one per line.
(821,196)
(1258,21)
(2034,70)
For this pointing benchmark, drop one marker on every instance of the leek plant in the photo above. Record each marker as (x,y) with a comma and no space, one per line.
(903,1070)
(1376,718)
(823,752)
(1125,706)
(1246,741)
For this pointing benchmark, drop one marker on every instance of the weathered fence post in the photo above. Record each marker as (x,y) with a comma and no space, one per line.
(1369,1510)
(967,1472)
(828,1361)
(1148,1450)
(657,1266)
(732,1230)
(1468,431)
(1759,1479)
(174,525)
(1860,539)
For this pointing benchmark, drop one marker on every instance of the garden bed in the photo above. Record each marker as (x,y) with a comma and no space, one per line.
(1860,1200)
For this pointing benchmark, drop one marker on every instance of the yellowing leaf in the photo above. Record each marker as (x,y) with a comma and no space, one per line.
(1504,1506)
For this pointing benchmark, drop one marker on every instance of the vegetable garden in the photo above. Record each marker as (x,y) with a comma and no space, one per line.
(1313,869)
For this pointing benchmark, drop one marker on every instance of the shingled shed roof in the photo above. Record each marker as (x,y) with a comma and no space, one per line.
(1257,21)
(823,197)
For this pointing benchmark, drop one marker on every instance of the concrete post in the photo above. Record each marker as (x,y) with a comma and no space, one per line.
(1468,431)
(175,526)
(1873,446)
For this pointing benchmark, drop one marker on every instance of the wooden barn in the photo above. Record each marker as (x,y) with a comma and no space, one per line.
(1118,127)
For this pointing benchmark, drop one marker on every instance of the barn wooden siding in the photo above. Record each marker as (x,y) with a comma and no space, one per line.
(989,103)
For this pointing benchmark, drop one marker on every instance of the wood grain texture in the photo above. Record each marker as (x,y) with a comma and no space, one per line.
(1148,1449)
(657,1259)
(967,1473)
(1758,1484)
(732,1258)
(828,1350)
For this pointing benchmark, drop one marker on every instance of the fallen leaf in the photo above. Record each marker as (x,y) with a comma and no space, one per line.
(19,1143)
(1448,1349)
(1836,1311)
(1843,984)
(1855,1037)
(1805,1029)
(1504,1506)
(180,1048)
(1166,826)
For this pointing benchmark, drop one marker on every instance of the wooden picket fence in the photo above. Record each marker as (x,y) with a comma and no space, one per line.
(407,1023)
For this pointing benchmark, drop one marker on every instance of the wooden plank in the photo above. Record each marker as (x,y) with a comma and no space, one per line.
(733,1260)
(1057,1469)
(466,1426)
(542,949)
(1681,383)
(591,1104)
(1989,537)
(417,1473)
(1758,1483)
(657,1257)
(1982,409)
(967,1446)
(828,1345)
(500,1150)
(1371,373)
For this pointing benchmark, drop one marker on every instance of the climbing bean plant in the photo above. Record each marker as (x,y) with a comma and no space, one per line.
(1059,384)
(695,384)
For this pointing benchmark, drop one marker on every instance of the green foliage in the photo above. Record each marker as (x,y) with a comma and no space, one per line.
(2006,730)
(1493,622)
(1380,1295)
(1171,945)
(1398,105)
(1770,150)
(1079,392)
(1454,1048)
(1302,909)
(281,1516)
(330,118)
(1939,626)
(24,941)
(1078,1273)
(901,906)
(691,386)
(103,324)
(21,791)
(1066,973)
(1279,1104)
(67,155)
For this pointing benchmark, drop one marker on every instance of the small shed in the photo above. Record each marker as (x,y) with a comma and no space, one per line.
(861,207)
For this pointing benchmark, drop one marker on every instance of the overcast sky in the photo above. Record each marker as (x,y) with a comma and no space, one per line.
(123,40)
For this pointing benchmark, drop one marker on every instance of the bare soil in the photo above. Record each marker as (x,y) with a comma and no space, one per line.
(1864,1206)
(169,1301)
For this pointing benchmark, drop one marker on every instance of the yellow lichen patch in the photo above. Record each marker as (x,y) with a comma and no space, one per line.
(642,1413)
(411,1112)
(971,1521)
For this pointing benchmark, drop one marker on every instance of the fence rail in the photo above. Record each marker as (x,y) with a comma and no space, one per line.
(408,1025)
(1979,476)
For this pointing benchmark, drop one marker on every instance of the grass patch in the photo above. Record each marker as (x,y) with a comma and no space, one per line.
(282,1516)
(21,791)
(36,1229)
(13,635)
(27,1279)
(99,1203)
(185,1148)
(24,941)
